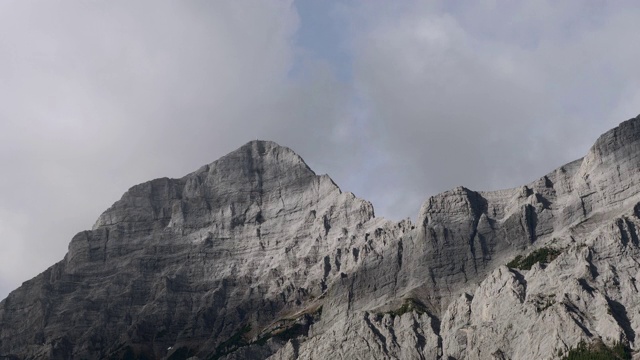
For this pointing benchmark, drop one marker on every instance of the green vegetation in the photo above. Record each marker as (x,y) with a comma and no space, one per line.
(599,351)
(549,303)
(409,305)
(542,302)
(543,255)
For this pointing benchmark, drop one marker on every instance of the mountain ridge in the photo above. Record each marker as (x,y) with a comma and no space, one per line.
(256,256)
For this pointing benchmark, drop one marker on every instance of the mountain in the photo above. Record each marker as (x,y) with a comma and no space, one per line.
(254,256)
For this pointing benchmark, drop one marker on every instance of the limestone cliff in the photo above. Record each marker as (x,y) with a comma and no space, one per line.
(255,256)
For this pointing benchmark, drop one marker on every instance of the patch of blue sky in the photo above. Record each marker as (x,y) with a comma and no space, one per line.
(323,36)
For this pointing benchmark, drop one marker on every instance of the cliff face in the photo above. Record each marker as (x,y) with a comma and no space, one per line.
(256,256)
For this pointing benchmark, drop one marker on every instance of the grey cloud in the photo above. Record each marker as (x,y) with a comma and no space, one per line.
(99,96)
(489,101)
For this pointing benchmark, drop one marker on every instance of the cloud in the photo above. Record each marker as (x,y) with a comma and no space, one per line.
(101,96)
(488,94)
(12,229)
(396,100)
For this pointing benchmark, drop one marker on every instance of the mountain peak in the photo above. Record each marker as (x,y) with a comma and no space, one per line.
(256,256)
(262,147)
(251,174)
(611,143)
(256,153)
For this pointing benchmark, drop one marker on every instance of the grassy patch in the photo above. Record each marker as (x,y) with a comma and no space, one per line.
(543,255)
(545,305)
(599,351)
(543,302)
(408,305)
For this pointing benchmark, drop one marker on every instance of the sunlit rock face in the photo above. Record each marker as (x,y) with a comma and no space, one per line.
(255,256)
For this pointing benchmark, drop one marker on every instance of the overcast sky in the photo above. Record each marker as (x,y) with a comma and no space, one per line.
(395,100)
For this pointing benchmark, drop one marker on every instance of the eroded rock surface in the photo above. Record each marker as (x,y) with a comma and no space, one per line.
(255,256)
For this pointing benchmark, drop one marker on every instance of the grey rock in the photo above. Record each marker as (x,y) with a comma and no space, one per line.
(255,256)
(364,335)
(188,263)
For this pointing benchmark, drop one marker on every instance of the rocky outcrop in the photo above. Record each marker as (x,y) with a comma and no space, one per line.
(256,256)
(365,335)
(186,263)
(588,292)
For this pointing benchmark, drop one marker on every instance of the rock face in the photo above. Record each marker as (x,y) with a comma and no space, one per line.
(255,256)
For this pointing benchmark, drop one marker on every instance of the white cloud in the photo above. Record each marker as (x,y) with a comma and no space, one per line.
(13,255)
(99,96)
(489,94)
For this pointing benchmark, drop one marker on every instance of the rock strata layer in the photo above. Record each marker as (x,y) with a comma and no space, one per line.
(254,256)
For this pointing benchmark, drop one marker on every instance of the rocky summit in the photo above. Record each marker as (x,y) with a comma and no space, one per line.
(254,256)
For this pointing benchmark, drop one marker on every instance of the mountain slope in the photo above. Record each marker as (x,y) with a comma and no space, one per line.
(255,256)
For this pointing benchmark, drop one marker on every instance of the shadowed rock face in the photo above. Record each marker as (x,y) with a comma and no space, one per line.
(256,256)
(188,261)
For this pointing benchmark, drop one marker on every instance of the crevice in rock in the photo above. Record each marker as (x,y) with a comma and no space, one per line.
(574,312)
(104,249)
(547,182)
(436,326)
(394,338)
(327,266)
(421,342)
(531,220)
(326,223)
(636,210)
(522,281)
(619,313)
(633,232)
(259,218)
(295,344)
(585,285)
(472,247)
(593,270)
(624,238)
(486,253)
(586,204)
(382,339)
(400,250)
(546,204)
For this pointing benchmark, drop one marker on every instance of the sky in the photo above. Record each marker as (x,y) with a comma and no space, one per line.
(395,100)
